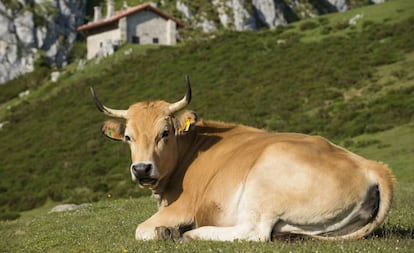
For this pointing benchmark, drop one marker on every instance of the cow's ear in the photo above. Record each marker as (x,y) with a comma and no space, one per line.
(114,130)
(184,122)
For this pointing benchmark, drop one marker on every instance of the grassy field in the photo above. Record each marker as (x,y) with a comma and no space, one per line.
(353,85)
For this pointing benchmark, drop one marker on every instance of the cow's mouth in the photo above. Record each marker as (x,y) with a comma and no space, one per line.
(147,182)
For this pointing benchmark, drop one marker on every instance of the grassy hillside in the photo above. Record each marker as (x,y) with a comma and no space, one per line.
(347,83)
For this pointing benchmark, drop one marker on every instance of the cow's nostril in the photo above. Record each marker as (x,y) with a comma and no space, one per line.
(141,170)
(134,169)
(147,169)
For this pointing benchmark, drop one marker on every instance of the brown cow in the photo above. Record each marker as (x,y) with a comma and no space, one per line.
(232,182)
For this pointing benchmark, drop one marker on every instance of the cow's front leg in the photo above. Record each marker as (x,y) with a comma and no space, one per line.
(145,231)
(165,224)
(168,233)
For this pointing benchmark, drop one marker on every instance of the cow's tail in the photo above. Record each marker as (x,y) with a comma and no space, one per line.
(378,199)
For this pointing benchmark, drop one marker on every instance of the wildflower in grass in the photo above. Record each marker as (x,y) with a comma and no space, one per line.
(109,195)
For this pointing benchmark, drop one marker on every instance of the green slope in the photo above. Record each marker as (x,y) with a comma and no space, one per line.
(342,86)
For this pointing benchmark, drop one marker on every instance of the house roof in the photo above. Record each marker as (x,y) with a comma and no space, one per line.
(123,13)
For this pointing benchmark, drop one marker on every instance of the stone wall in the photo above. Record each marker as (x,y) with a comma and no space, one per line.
(147,26)
(101,44)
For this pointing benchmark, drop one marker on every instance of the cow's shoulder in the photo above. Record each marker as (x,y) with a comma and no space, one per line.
(223,128)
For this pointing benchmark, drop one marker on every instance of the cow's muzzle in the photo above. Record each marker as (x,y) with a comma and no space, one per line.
(145,173)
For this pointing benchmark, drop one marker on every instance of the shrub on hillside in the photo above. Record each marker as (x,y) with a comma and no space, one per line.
(323,20)
(12,88)
(308,25)
(326,30)
(9,215)
(341,25)
(367,24)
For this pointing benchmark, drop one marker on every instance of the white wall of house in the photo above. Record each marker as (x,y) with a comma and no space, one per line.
(96,42)
(145,26)
(149,28)
(171,32)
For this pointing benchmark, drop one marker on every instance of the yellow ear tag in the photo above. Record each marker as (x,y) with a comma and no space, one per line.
(187,125)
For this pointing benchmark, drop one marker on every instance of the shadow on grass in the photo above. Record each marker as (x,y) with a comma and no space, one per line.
(390,232)
(393,231)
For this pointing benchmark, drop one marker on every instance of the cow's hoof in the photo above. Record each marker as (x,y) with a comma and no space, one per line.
(168,233)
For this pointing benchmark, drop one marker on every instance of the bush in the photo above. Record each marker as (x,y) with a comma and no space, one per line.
(366,143)
(326,30)
(341,25)
(308,25)
(78,51)
(28,201)
(400,73)
(323,20)
(9,215)
(367,24)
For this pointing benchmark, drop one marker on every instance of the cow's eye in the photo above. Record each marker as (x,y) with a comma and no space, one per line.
(127,138)
(165,133)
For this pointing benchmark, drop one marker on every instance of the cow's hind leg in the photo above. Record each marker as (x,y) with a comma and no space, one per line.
(249,232)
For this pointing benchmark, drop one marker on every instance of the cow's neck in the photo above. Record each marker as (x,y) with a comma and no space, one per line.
(205,135)
(169,189)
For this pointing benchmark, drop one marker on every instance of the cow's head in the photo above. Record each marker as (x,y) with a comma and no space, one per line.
(151,129)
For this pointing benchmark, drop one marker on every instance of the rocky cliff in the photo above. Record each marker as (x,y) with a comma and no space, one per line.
(256,14)
(33,28)
(29,28)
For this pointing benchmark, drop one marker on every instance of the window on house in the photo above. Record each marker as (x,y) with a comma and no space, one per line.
(135,39)
(155,40)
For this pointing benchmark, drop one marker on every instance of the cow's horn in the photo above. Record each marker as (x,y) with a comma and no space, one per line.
(185,101)
(106,110)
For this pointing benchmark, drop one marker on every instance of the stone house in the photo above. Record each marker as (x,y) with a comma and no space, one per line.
(142,24)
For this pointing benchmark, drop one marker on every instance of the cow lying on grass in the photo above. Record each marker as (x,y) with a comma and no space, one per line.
(220,181)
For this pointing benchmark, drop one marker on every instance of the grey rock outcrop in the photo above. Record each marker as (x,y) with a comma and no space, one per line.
(66,207)
(29,28)
(377,1)
(184,9)
(340,5)
(244,15)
